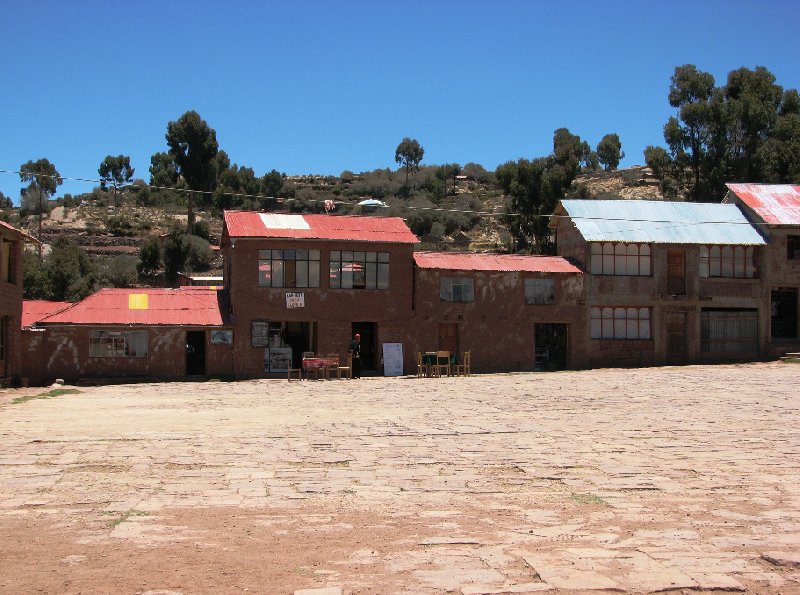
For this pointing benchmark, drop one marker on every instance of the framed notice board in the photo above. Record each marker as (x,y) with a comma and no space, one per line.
(392,359)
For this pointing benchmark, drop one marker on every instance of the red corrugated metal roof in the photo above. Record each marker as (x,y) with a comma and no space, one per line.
(35,310)
(196,306)
(18,231)
(248,224)
(472,261)
(776,204)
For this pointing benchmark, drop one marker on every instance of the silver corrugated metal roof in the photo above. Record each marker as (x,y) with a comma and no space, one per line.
(660,222)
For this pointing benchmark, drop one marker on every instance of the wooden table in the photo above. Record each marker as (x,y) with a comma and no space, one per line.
(316,364)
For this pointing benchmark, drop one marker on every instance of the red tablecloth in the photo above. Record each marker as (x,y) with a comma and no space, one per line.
(315,363)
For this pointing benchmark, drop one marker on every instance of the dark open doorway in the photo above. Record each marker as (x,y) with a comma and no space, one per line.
(784,313)
(550,346)
(369,350)
(195,353)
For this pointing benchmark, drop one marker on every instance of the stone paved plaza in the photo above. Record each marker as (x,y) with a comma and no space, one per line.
(666,479)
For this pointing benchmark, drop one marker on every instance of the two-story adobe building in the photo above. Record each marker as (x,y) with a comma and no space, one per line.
(310,282)
(12,241)
(775,211)
(667,282)
(512,312)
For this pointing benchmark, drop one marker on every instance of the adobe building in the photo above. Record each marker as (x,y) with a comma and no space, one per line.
(12,242)
(310,282)
(136,333)
(775,210)
(34,355)
(512,312)
(667,282)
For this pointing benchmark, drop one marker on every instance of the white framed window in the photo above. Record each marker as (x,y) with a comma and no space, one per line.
(734,262)
(353,269)
(118,344)
(540,291)
(288,268)
(457,289)
(620,322)
(608,258)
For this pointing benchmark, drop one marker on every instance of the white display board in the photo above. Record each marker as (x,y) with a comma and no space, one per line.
(392,359)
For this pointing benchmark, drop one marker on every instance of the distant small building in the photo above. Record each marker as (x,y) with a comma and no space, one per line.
(130,333)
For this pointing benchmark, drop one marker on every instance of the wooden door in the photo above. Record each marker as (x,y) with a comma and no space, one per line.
(676,336)
(448,337)
(676,272)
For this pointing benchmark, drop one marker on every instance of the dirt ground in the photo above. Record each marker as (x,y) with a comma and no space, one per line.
(681,479)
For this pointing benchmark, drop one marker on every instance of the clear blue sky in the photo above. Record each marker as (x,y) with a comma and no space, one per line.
(320,87)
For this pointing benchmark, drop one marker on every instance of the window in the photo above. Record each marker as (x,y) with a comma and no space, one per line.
(288,268)
(793,247)
(7,269)
(457,289)
(117,344)
(728,331)
(359,270)
(620,259)
(736,262)
(620,322)
(540,291)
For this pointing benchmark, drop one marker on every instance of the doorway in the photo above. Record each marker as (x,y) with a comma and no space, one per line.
(300,336)
(369,348)
(676,337)
(195,353)
(550,346)
(784,313)
(448,337)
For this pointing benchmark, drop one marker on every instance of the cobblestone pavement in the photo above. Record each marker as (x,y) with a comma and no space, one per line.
(683,478)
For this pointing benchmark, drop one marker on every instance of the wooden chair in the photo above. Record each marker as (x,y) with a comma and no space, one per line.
(333,368)
(348,369)
(464,366)
(295,372)
(442,363)
(422,367)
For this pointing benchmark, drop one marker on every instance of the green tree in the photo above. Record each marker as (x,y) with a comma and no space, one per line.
(779,156)
(271,185)
(70,272)
(193,147)
(118,271)
(752,101)
(116,171)
(535,187)
(741,131)
(44,180)
(149,256)
(174,254)
(409,154)
(448,172)
(609,152)
(163,170)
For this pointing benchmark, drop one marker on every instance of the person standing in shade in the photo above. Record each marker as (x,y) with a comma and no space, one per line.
(355,351)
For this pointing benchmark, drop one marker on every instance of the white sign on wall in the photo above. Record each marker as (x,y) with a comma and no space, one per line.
(295,300)
(392,359)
